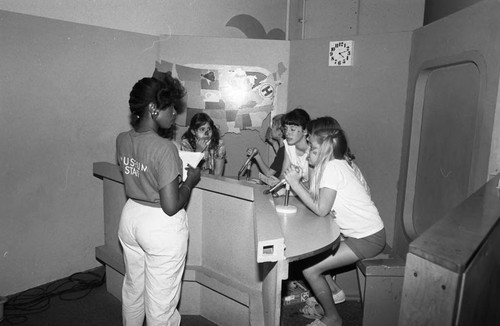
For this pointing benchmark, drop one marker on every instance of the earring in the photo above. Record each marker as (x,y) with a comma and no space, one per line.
(155,114)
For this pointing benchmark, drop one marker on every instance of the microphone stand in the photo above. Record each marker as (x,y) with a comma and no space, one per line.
(285,208)
(247,166)
(248,171)
(287,194)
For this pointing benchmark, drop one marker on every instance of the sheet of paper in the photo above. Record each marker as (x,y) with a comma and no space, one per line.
(191,158)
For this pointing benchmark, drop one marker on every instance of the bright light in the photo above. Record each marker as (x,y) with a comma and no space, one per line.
(236,95)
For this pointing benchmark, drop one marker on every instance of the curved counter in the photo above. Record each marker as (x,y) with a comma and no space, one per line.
(239,247)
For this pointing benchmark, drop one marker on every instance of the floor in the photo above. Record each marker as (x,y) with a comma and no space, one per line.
(82,300)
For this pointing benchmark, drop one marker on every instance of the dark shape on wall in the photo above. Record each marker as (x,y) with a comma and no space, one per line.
(276,34)
(259,77)
(281,69)
(252,28)
(161,75)
(209,75)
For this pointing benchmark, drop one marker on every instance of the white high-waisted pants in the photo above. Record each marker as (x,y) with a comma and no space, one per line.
(154,248)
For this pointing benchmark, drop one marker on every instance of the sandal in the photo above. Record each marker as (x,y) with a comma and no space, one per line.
(312,309)
(339,297)
(316,322)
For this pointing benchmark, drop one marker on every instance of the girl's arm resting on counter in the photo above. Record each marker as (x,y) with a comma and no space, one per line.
(267,171)
(323,205)
(219,166)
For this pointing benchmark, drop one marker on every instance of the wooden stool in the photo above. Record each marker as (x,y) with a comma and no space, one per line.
(380,281)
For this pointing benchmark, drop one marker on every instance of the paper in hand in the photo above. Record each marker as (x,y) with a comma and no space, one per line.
(189,158)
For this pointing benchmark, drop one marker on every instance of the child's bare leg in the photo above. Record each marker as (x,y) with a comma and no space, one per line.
(321,288)
(323,295)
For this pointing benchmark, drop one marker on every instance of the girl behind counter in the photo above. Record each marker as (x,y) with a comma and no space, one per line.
(296,146)
(153,229)
(339,190)
(275,139)
(203,136)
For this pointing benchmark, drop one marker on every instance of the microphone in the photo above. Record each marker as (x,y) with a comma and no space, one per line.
(275,187)
(244,166)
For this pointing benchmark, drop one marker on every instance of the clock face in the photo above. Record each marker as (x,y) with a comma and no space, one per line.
(341,53)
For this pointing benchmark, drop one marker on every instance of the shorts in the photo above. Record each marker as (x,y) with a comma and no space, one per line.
(369,246)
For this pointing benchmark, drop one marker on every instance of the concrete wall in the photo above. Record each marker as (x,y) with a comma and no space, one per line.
(437,9)
(324,18)
(64,92)
(155,17)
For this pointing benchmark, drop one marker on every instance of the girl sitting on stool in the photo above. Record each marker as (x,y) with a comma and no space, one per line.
(336,189)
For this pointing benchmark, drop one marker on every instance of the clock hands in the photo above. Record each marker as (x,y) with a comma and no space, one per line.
(341,53)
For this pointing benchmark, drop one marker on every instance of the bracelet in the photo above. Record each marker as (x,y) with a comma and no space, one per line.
(185,185)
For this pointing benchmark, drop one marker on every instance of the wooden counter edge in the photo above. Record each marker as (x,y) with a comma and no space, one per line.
(452,241)
(222,185)
(269,239)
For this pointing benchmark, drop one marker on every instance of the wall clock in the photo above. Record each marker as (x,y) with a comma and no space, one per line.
(341,53)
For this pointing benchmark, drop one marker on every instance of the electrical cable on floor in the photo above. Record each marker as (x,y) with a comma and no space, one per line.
(36,300)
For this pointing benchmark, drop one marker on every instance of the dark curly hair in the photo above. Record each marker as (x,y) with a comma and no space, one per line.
(198,120)
(163,93)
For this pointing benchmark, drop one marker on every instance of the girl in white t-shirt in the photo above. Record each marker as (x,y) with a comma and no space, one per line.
(296,146)
(337,188)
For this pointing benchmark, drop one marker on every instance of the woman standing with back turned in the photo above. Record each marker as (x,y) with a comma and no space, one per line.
(153,228)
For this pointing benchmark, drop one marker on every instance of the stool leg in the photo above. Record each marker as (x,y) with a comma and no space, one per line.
(361,284)
(382,299)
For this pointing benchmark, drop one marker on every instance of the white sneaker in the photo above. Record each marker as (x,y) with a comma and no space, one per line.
(339,297)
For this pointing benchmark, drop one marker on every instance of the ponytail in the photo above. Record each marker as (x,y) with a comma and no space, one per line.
(333,145)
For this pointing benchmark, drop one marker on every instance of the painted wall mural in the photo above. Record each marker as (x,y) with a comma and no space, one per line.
(235,97)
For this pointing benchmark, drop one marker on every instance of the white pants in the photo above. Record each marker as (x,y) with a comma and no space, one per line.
(154,248)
